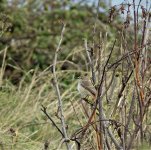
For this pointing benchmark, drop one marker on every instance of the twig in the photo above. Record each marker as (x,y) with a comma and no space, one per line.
(2,69)
(129,116)
(121,92)
(90,61)
(99,99)
(58,91)
(44,110)
(122,58)
(137,127)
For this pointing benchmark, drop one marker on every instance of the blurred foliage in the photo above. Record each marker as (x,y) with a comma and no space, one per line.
(32,29)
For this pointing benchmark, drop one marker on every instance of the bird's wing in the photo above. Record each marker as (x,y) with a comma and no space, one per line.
(89,87)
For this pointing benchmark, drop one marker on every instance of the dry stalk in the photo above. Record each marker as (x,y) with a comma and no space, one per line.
(60,105)
(2,70)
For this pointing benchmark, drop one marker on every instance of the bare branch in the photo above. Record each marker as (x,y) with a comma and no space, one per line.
(44,110)
(60,105)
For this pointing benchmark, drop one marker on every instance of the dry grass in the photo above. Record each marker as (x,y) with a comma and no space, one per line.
(24,126)
(22,123)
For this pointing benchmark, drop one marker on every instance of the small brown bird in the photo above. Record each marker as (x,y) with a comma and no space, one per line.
(85,87)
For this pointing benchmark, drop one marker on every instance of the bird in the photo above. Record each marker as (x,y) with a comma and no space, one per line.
(86,88)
